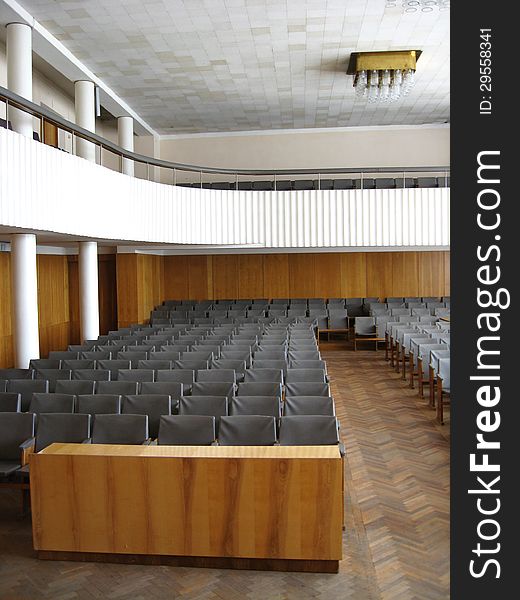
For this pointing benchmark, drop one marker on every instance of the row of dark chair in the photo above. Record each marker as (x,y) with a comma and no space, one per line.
(287,185)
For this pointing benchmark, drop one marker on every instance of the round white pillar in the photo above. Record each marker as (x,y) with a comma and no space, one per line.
(19,73)
(125,136)
(85,110)
(24,281)
(88,291)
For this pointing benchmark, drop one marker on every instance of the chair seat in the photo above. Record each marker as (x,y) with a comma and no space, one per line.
(8,467)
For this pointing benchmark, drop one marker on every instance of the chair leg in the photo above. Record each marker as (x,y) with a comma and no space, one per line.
(403,376)
(440,405)
(386,347)
(392,361)
(432,388)
(411,370)
(420,378)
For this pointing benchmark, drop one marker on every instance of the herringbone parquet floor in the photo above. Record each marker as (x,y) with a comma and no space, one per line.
(396,544)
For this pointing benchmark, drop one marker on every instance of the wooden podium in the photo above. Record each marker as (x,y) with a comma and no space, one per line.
(254,507)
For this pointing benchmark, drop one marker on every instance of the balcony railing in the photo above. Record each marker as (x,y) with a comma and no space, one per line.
(181,174)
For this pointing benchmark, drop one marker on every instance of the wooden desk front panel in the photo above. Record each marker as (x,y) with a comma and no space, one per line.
(188,506)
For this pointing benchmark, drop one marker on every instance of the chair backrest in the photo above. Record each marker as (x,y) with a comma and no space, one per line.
(91,374)
(257,375)
(308,430)
(247,430)
(15,428)
(174,389)
(78,363)
(255,405)
(186,430)
(260,388)
(44,363)
(135,375)
(10,402)
(444,373)
(52,403)
(217,375)
(98,404)
(213,388)
(97,355)
(298,363)
(306,388)
(155,364)
(118,388)
(52,376)
(184,376)
(239,366)
(74,387)
(364,325)
(153,405)
(63,355)
(120,429)
(66,428)
(213,406)
(188,364)
(309,405)
(26,388)
(295,375)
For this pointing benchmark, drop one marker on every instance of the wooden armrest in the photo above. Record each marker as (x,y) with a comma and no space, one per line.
(27,448)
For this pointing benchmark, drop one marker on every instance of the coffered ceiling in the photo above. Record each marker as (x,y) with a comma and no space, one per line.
(229,65)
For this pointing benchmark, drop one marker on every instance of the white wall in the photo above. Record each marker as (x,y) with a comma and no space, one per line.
(308,149)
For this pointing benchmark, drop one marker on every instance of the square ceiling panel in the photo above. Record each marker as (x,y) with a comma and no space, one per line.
(236,65)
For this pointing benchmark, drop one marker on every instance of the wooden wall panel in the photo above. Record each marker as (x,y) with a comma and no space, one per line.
(327,275)
(75,333)
(431,273)
(250,276)
(200,278)
(107,293)
(6,333)
(405,274)
(353,275)
(225,276)
(176,277)
(276,276)
(150,277)
(447,273)
(53,302)
(302,268)
(127,290)
(379,274)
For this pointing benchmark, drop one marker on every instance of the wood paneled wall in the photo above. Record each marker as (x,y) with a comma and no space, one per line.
(326,275)
(58,302)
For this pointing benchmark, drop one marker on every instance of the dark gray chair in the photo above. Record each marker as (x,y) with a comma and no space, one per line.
(256,375)
(297,375)
(97,355)
(26,388)
(174,389)
(247,430)
(255,405)
(260,363)
(299,363)
(120,429)
(16,428)
(52,403)
(75,387)
(186,430)
(10,402)
(307,388)
(263,388)
(113,366)
(52,376)
(190,365)
(98,404)
(152,405)
(118,388)
(135,375)
(213,406)
(63,355)
(216,375)
(155,365)
(65,428)
(91,375)
(16,373)
(309,405)
(213,388)
(238,366)
(78,363)
(184,376)
(309,430)
(44,363)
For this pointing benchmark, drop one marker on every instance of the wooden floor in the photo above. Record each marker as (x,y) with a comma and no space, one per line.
(396,544)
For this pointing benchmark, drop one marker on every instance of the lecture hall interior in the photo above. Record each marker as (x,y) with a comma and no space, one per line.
(224,299)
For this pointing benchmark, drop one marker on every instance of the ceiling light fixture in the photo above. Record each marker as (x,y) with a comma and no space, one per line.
(383,76)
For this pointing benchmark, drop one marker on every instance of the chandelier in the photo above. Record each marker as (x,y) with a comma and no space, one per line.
(383,76)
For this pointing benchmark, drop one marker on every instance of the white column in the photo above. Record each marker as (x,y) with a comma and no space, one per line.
(19,73)
(125,136)
(24,283)
(88,291)
(85,117)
